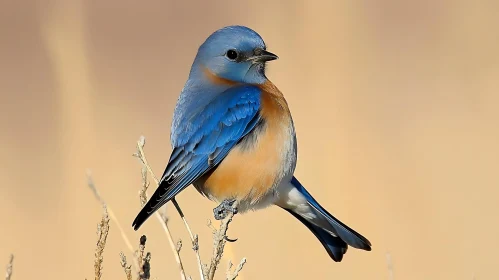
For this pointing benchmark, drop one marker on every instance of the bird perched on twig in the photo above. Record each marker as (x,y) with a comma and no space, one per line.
(233,138)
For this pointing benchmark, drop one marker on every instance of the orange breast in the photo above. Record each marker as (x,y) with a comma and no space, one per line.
(250,173)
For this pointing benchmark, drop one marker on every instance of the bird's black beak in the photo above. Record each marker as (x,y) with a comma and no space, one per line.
(262,56)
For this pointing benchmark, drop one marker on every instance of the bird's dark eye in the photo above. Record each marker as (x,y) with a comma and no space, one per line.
(232,54)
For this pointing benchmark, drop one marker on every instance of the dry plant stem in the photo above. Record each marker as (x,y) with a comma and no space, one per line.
(144,260)
(146,268)
(219,241)
(164,224)
(140,255)
(102,232)
(141,155)
(233,275)
(145,186)
(112,216)
(127,268)
(8,272)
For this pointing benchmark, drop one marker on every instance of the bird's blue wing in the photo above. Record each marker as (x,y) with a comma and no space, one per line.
(203,140)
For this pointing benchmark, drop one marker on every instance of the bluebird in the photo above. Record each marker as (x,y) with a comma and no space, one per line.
(233,138)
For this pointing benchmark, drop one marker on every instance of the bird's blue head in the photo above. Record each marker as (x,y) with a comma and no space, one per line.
(234,54)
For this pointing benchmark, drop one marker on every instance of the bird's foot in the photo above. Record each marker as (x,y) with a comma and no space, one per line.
(221,211)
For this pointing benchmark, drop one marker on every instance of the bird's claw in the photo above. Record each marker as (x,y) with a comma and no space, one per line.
(230,239)
(221,211)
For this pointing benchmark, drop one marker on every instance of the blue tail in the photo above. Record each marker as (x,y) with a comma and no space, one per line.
(332,233)
(334,246)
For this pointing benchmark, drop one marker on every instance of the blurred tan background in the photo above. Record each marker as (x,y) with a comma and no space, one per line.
(395,105)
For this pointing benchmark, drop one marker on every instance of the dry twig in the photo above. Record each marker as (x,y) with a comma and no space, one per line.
(179,246)
(146,267)
(145,186)
(219,241)
(141,254)
(8,272)
(144,260)
(127,268)
(102,232)
(112,216)
(233,275)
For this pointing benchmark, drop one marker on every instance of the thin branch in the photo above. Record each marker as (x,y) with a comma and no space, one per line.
(219,241)
(141,155)
(202,267)
(144,260)
(141,254)
(179,246)
(127,268)
(145,186)
(112,216)
(8,272)
(146,267)
(102,232)
(233,275)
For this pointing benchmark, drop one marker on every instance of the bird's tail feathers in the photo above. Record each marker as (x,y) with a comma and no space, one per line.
(350,236)
(154,203)
(331,232)
(334,246)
